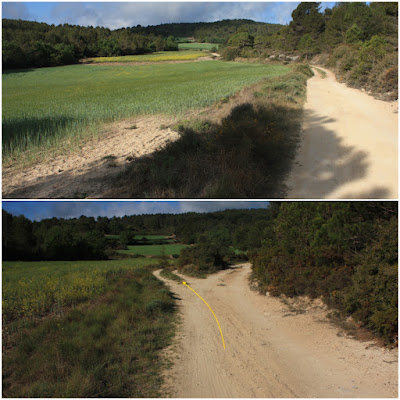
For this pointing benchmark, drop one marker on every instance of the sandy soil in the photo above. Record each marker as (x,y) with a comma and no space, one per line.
(349,147)
(91,171)
(271,351)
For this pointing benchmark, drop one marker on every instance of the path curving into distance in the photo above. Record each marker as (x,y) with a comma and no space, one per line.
(349,145)
(270,350)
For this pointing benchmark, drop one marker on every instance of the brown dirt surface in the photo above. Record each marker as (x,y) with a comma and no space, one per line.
(349,146)
(272,349)
(91,171)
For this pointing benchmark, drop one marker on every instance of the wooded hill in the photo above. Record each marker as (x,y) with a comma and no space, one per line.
(358,40)
(210,32)
(31,44)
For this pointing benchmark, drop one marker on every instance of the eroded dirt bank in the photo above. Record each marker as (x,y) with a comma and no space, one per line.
(349,146)
(270,351)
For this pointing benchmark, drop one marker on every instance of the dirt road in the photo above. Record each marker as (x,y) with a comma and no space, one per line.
(271,350)
(349,146)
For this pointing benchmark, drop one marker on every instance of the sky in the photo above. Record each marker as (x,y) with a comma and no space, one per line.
(37,210)
(116,15)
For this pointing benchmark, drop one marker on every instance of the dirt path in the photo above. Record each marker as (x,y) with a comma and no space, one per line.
(270,351)
(349,148)
(91,171)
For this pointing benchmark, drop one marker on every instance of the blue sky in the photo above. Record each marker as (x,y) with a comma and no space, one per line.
(122,14)
(37,210)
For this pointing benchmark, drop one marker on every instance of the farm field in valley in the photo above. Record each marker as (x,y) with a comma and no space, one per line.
(154,250)
(158,56)
(197,46)
(48,107)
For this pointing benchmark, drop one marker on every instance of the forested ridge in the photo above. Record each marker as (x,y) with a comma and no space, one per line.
(33,44)
(344,252)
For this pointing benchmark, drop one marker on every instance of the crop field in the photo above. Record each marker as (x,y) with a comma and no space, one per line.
(160,56)
(154,250)
(48,107)
(197,46)
(32,289)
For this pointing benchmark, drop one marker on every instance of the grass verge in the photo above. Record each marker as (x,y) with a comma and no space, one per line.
(245,155)
(321,72)
(168,274)
(108,347)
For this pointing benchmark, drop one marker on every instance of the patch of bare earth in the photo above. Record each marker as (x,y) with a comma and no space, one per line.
(273,348)
(91,171)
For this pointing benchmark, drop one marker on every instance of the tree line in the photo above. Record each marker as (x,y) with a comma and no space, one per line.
(29,44)
(84,237)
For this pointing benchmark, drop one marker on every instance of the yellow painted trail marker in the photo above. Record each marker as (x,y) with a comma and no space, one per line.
(222,336)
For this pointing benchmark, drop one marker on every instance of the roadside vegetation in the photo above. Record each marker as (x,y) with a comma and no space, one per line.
(168,274)
(244,154)
(107,347)
(57,108)
(344,252)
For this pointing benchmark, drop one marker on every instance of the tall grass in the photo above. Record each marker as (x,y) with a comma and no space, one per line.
(49,107)
(34,289)
(108,347)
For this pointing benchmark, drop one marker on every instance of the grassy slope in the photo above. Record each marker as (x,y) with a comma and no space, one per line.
(154,250)
(107,347)
(44,107)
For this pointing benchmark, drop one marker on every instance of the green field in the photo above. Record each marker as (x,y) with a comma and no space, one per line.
(197,46)
(154,250)
(42,108)
(106,344)
(153,57)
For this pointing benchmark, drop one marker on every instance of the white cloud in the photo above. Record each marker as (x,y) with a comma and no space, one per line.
(117,15)
(15,11)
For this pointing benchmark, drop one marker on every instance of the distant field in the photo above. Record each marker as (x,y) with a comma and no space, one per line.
(36,288)
(197,46)
(160,56)
(48,107)
(154,250)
